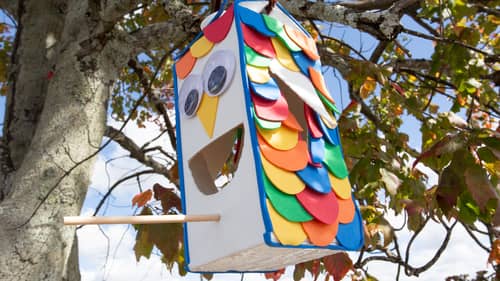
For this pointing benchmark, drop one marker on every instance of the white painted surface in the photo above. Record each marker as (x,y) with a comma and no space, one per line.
(241,226)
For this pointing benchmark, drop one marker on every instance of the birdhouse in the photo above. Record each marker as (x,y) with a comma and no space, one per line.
(258,144)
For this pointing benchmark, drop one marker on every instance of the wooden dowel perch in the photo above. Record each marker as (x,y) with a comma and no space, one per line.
(141,219)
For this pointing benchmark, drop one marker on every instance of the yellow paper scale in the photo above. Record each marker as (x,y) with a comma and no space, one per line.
(258,74)
(282,138)
(285,181)
(201,47)
(342,187)
(287,232)
(283,55)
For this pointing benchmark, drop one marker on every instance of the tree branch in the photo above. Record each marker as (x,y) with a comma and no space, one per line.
(139,70)
(438,253)
(10,6)
(366,5)
(410,270)
(382,24)
(116,184)
(473,236)
(116,9)
(493,57)
(338,61)
(407,256)
(138,154)
(164,33)
(378,51)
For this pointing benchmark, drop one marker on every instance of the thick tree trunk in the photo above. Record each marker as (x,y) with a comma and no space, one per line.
(53,125)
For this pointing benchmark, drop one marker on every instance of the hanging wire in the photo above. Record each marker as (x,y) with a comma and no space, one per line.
(215,5)
(270,5)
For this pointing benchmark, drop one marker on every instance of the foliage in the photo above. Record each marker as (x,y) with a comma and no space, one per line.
(452,98)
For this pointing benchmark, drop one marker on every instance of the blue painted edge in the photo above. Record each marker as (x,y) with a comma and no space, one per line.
(219,12)
(180,168)
(184,51)
(293,19)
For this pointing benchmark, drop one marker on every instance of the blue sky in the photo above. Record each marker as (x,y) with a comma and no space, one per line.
(116,242)
(460,257)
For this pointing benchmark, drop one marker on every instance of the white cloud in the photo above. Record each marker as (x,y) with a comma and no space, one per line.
(460,257)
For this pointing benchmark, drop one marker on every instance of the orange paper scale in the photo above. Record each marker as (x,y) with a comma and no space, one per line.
(185,65)
(291,160)
(307,44)
(320,234)
(292,123)
(319,82)
(346,210)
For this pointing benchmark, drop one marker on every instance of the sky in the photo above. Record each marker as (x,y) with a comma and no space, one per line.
(117,241)
(461,257)
(106,252)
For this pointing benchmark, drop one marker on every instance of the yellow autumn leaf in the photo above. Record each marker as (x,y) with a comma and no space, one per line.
(494,19)
(368,87)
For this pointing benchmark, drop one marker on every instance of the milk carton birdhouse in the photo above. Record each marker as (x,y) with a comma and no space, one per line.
(258,144)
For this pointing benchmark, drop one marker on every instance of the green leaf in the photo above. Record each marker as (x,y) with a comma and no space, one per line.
(451,183)
(467,210)
(479,185)
(143,245)
(299,272)
(415,221)
(486,155)
(167,238)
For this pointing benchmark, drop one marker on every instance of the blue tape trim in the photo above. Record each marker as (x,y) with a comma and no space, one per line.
(293,19)
(180,167)
(184,51)
(253,133)
(219,12)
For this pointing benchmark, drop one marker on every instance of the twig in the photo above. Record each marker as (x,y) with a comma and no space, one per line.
(439,252)
(116,184)
(379,50)
(448,41)
(474,237)
(412,239)
(345,45)
(138,154)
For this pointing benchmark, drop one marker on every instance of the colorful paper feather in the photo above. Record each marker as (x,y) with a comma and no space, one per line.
(305,183)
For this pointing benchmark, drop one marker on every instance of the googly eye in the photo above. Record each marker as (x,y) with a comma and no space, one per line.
(190,95)
(218,72)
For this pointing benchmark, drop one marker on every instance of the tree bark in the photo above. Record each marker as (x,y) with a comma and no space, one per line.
(64,127)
